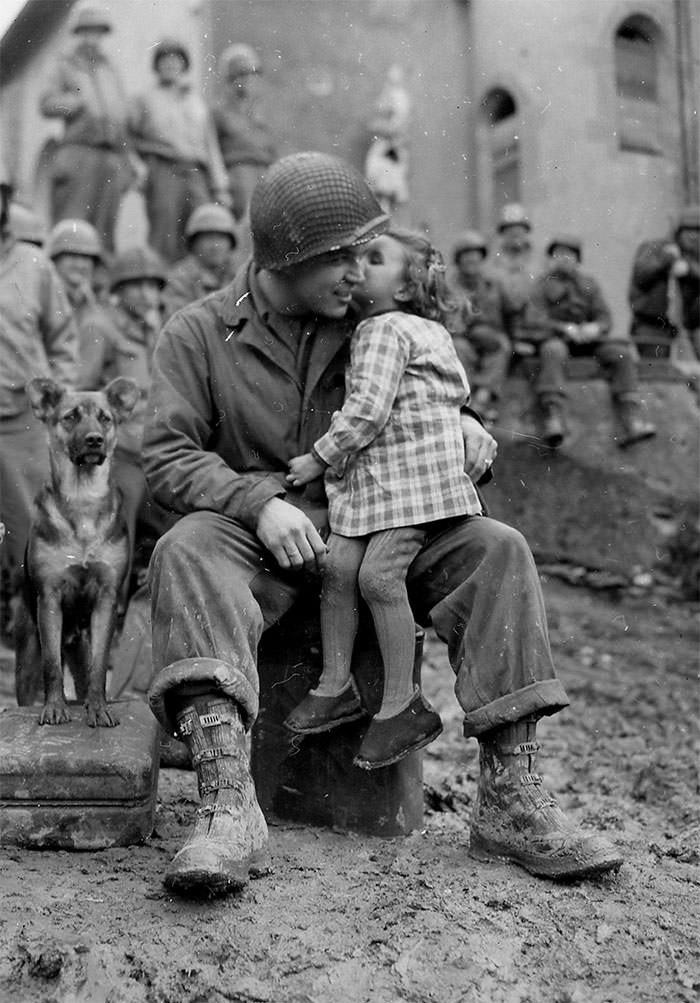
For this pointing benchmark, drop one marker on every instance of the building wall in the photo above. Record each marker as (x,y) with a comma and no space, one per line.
(558,57)
(326,62)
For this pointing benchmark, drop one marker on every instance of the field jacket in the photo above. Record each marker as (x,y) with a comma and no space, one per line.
(228,410)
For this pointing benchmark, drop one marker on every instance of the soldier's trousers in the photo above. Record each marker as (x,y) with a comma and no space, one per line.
(215,589)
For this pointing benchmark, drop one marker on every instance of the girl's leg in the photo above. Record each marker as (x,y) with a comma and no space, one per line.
(382,582)
(339,612)
(335,700)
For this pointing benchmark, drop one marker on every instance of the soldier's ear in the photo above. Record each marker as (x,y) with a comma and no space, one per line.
(44,395)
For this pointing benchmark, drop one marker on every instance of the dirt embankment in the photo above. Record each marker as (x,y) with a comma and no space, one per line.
(347,919)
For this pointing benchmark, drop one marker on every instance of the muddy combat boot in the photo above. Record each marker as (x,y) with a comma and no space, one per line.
(634,427)
(229,839)
(553,424)
(515,819)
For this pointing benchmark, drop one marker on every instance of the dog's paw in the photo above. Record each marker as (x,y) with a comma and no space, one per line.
(100,716)
(54,712)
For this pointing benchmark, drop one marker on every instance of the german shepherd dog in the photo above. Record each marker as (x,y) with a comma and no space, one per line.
(77,552)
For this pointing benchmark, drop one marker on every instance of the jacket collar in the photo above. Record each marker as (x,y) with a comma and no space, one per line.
(242,322)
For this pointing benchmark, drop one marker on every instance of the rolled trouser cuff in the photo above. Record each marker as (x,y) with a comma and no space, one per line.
(220,674)
(538,699)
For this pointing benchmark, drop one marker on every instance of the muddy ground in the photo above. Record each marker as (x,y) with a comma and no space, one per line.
(345,919)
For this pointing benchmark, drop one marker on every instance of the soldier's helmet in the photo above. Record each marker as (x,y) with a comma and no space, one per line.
(309,204)
(211,218)
(74,236)
(239,60)
(91,19)
(513,214)
(689,218)
(169,47)
(567,240)
(26,225)
(137,263)
(469,240)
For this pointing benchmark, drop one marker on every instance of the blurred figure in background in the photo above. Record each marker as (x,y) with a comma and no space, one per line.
(513,261)
(568,316)
(92,167)
(664,289)
(74,247)
(26,226)
(137,282)
(478,323)
(247,145)
(174,134)
(210,264)
(37,338)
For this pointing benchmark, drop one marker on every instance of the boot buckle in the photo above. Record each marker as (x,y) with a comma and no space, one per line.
(207,755)
(528,779)
(218,809)
(220,785)
(525,748)
(210,720)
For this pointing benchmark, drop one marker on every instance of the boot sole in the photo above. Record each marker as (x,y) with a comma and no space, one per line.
(490,851)
(367,764)
(318,729)
(205,884)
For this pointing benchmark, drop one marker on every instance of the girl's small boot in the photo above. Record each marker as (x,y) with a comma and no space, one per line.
(516,819)
(229,838)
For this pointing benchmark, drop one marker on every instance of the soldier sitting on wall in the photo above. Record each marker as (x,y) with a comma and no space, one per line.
(664,290)
(210,263)
(513,261)
(478,323)
(568,316)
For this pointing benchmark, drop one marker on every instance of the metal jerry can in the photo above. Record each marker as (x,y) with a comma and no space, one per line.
(72,787)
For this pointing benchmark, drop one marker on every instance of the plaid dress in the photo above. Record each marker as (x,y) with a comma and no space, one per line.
(395,451)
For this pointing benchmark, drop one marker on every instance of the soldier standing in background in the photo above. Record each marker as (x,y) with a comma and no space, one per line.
(246,143)
(37,338)
(75,249)
(664,290)
(92,168)
(210,264)
(173,132)
(137,282)
(26,225)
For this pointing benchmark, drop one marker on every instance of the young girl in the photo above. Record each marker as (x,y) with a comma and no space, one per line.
(393,459)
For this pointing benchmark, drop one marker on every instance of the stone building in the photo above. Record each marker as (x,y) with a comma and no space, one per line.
(584,112)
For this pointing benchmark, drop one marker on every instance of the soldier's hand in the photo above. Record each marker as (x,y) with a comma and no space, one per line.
(571,332)
(480,447)
(589,332)
(290,536)
(680,268)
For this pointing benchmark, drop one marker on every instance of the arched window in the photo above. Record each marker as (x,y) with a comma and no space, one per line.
(637,83)
(500,131)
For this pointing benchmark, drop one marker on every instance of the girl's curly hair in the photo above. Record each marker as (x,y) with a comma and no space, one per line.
(425,276)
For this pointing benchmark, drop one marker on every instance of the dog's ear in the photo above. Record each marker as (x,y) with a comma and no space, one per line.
(122,394)
(44,394)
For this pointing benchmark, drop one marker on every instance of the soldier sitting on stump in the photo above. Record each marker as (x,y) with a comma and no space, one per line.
(243,381)
(569,317)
